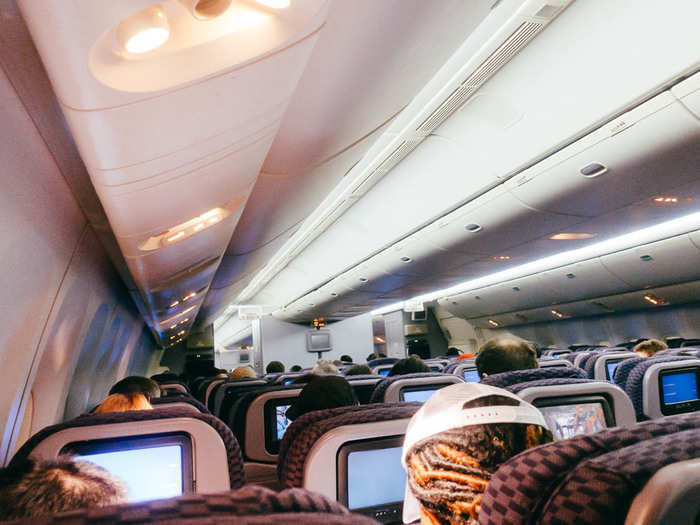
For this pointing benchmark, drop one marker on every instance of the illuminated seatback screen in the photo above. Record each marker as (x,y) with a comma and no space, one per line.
(386,484)
(567,421)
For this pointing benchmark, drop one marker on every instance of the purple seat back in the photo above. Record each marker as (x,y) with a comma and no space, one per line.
(548,382)
(180,398)
(505,379)
(383,385)
(520,488)
(635,380)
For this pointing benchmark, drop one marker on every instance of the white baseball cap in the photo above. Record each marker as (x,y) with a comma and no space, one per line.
(444,411)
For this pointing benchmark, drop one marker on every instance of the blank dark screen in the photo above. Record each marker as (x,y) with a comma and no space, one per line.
(375,477)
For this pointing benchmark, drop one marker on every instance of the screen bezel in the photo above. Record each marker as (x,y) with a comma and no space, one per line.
(603,399)
(609,362)
(309,337)
(342,470)
(126,443)
(683,406)
(272,444)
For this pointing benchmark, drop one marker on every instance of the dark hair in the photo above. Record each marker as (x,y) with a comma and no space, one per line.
(274,367)
(410,365)
(375,355)
(453,352)
(30,488)
(505,354)
(295,368)
(322,392)
(136,385)
(358,370)
(346,358)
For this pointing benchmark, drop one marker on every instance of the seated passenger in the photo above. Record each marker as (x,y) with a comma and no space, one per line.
(410,365)
(453,352)
(123,403)
(137,385)
(346,358)
(358,370)
(165,375)
(324,367)
(295,368)
(505,354)
(243,372)
(274,367)
(452,449)
(649,347)
(375,355)
(31,488)
(322,392)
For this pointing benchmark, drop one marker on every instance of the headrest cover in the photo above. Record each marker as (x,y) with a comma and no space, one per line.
(444,411)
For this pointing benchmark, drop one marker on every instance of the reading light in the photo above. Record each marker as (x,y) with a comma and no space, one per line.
(494,323)
(656,301)
(206,9)
(571,236)
(363,279)
(406,260)
(666,200)
(143,31)
(274,4)
(181,332)
(501,258)
(472,228)
(557,314)
(189,296)
(173,304)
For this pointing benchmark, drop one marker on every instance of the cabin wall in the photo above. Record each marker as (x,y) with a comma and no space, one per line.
(61,299)
(286,342)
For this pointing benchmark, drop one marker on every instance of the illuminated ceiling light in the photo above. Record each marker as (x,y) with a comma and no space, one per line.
(274,4)
(173,304)
(656,301)
(501,257)
(184,320)
(181,332)
(173,327)
(494,323)
(206,9)
(666,200)
(143,31)
(557,314)
(189,296)
(571,236)
(180,314)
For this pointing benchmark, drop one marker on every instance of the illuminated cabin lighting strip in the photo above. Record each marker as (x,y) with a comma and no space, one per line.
(171,319)
(665,230)
(494,323)
(557,314)
(656,301)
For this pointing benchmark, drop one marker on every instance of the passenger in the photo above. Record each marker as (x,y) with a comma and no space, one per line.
(346,358)
(358,370)
(375,355)
(453,352)
(222,373)
(320,393)
(123,403)
(31,488)
(165,375)
(243,372)
(504,354)
(410,365)
(295,368)
(452,448)
(324,367)
(274,367)
(649,347)
(337,362)
(137,385)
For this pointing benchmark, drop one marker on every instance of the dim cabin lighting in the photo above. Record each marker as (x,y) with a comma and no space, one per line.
(557,314)
(501,258)
(172,319)
(494,323)
(656,301)
(185,230)
(173,304)
(181,332)
(143,31)
(571,236)
(184,320)
(666,200)
(189,296)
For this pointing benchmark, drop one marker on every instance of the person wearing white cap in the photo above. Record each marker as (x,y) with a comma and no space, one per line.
(455,442)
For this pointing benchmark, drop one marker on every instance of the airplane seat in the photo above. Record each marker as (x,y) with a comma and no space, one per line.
(664,386)
(623,370)
(382,361)
(589,355)
(581,355)
(570,357)
(695,343)
(271,378)
(197,385)
(449,369)
(550,363)
(215,458)
(519,489)
(602,366)
(174,386)
(396,388)
(181,401)
(555,353)
(209,389)
(600,490)
(505,379)
(287,378)
(364,386)
(316,450)
(467,371)
(228,391)
(251,505)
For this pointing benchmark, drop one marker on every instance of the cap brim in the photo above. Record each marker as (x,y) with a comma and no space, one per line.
(411,507)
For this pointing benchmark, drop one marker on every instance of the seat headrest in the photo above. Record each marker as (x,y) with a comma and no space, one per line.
(382,387)
(505,379)
(179,398)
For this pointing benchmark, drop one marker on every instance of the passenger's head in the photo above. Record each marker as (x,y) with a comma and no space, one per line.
(358,370)
(453,446)
(410,365)
(123,403)
(295,368)
(649,347)
(453,352)
(322,392)
(324,367)
(504,354)
(274,367)
(137,385)
(346,358)
(243,372)
(375,355)
(32,488)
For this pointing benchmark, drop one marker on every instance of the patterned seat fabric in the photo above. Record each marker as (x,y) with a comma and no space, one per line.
(233,390)
(166,384)
(570,357)
(250,505)
(599,491)
(233,451)
(634,386)
(505,379)
(180,398)
(449,369)
(382,361)
(623,370)
(308,428)
(518,387)
(519,489)
(383,385)
(587,364)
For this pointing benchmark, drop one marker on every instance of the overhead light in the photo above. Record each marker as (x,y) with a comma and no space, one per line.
(501,257)
(666,200)
(274,4)
(593,170)
(406,260)
(656,301)
(557,314)
(571,236)
(379,340)
(181,332)
(651,234)
(189,296)
(143,31)
(184,320)
(473,228)
(173,304)
(206,9)
(494,323)
(180,314)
